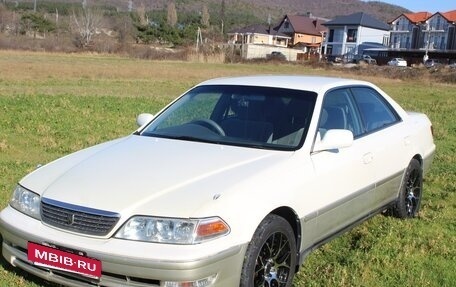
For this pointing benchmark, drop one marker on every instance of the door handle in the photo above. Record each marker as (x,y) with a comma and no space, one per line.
(407,140)
(367,158)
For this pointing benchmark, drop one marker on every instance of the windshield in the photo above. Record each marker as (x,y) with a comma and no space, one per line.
(260,117)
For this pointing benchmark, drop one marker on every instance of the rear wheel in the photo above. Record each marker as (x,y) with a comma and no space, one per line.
(409,200)
(270,258)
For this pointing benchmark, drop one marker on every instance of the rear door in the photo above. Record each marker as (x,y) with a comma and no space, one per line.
(345,176)
(388,141)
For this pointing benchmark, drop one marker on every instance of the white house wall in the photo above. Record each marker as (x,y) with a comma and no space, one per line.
(252,51)
(371,35)
(340,46)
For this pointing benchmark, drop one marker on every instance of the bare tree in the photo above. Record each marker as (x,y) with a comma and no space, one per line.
(222,16)
(86,23)
(172,14)
(141,10)
(205,16)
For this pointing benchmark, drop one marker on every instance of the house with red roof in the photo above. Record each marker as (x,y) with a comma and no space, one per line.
(424,30)
(305,31)
(295,37)
(441,31)
(406,30)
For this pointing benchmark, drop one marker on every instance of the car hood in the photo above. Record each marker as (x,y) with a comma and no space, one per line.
(148,175)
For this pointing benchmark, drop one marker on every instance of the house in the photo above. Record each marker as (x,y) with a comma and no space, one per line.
(424,30)
(406,30)
(260,41)
(440,33)
(258,34)
(451,40)
(305,31)
(298,37)
(347,33)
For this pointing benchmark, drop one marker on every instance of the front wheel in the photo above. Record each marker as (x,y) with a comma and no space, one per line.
(409,199)
(270,259)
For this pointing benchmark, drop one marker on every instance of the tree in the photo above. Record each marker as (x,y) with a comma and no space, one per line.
(205,16)
(86,23)
(222,15)
(141,10)
(172,14)
(37,23)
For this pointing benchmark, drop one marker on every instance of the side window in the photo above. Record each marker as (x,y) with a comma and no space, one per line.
(375,112)
(339,112)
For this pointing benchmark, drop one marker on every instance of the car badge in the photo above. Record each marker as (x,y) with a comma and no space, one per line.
(70,219)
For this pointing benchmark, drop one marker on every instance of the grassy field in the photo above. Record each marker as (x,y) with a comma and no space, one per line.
(53,104)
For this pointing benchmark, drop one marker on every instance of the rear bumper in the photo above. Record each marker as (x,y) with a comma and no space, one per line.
(124,263)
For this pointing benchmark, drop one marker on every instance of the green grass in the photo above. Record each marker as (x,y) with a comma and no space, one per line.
(54,104)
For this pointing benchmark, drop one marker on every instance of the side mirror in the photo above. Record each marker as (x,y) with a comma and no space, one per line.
(333,139)
(143,119)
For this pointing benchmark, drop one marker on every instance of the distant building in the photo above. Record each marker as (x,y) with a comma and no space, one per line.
(406,30)
(298,37)
(440,33)
(258,34)
(347,33)
(305,31)
(424,30)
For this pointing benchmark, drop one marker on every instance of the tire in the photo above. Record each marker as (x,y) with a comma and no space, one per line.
(408,202)
(270,259)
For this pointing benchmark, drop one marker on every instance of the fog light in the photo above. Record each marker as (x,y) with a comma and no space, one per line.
(205,282)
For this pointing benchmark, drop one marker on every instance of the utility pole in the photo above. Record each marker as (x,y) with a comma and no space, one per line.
(34,6)
(199,39)
(428,31)
(427,43)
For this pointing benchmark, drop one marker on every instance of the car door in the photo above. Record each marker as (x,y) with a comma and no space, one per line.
(344,177)
(387,137)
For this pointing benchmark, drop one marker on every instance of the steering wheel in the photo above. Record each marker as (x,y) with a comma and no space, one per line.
(210,124)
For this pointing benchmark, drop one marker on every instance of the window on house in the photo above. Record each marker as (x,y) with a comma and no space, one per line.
(331,35)
(286,25)
(351,35)
(329,50)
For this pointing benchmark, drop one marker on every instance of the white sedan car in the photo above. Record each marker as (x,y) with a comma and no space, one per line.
(397,62)
(232,184)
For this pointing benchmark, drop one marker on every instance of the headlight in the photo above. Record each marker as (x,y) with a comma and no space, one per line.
(26,202)
(172,230)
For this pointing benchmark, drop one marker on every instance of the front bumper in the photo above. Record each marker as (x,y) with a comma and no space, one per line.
(124,263)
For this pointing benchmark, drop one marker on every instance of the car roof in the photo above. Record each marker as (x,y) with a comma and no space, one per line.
(307,83)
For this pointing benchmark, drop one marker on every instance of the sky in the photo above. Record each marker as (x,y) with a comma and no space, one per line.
(425,5)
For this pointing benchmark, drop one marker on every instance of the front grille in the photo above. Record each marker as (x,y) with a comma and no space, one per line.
(77,218)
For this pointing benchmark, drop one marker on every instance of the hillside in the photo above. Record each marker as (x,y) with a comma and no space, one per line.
(106,25)
(261,9)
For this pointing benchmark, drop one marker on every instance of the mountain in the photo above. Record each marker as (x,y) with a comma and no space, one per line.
(254,10)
